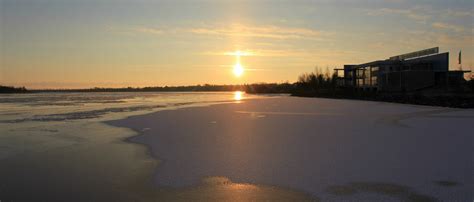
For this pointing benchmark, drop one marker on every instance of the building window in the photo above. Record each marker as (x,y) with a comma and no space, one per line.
(348,75)
(360,73)
(374,81)
(374,71)
(367,72)
(367,81)
(360,82)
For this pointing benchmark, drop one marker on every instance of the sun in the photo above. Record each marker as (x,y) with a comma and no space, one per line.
(238,70)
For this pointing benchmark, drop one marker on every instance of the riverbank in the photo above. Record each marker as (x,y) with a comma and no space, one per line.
(452,100)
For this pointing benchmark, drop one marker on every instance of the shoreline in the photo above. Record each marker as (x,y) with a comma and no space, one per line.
(461,101)
(136,139)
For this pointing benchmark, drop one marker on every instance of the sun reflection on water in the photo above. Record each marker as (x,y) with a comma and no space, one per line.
(238,95)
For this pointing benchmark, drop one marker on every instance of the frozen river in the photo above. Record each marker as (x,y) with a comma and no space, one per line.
(230,146)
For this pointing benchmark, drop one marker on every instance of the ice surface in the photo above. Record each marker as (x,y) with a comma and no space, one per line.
(332,149)
(377,150)
(44,121)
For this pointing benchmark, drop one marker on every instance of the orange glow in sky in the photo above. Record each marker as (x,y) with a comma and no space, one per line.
(104,43)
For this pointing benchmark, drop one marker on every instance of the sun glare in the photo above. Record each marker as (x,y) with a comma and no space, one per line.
(238,95)
(238,70)
(240,53)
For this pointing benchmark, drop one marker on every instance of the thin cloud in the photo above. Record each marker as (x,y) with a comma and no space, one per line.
(150,30)
(451,27)
(260,53)
(247,31)
(133,30)
(458,13)
(293,53)
(431,37)
(272,32)
(416,14)
(239,53)
(422,14)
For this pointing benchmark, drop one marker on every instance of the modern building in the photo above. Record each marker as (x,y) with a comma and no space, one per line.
(407,72)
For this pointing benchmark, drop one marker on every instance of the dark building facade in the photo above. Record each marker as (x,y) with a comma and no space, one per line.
(408,72)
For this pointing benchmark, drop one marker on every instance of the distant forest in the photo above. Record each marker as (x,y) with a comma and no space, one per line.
(10,89)
(248,88)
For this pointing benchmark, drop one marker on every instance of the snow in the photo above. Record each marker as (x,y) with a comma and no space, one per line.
(314,145)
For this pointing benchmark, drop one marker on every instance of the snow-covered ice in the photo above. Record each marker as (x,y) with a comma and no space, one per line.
(332,149)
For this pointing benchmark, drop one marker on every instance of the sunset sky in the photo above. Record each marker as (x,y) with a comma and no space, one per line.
(116,43)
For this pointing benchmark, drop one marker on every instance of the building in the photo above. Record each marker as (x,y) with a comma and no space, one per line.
(407,72)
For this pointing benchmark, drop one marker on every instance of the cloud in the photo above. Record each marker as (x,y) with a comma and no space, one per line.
(239,53)
(268,31)
(458,13)
(451,27)
(240,30)
(418,14)
(456,41)
(149,30)
(293,53)
(261,53)
(422,14)
(257,53)
(431,37)
(133,30)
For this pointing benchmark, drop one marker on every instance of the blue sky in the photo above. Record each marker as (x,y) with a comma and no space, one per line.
(76,44)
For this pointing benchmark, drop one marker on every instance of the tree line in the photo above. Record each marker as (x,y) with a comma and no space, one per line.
(11,89)
(318,83)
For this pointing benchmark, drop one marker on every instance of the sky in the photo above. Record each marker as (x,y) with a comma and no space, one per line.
(118,43)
